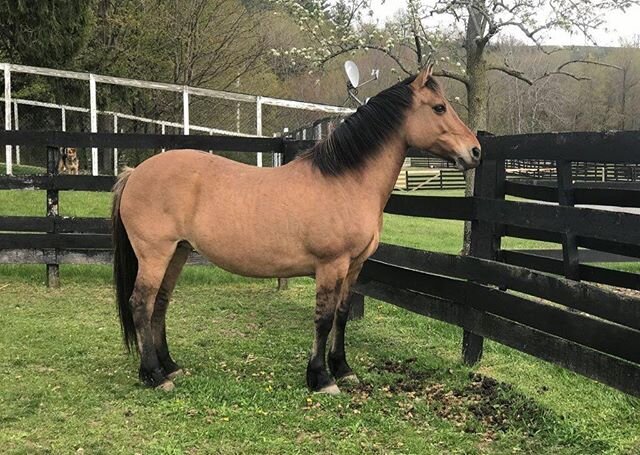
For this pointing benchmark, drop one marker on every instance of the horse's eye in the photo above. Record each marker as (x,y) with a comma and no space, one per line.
(439,108)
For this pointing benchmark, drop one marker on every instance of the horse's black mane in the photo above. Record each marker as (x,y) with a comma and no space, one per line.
(362,134)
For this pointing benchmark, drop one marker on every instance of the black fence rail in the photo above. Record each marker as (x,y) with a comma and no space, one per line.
(558,309)
(580,171)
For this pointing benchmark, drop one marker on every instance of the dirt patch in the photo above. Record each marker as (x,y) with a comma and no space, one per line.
(483,405)
(410,378)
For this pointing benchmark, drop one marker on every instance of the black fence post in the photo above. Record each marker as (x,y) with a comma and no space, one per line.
(53,269)
(570,258)
(485,240)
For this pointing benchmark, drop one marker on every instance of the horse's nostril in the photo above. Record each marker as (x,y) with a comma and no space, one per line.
(475,152)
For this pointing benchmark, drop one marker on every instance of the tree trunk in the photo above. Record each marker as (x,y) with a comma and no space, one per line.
(477,93)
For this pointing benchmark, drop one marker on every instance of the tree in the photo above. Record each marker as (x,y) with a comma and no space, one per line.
(464,49)
(629,76)
(43,32)
(205,43)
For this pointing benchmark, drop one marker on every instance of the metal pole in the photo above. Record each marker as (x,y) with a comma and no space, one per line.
(238,107)
(16,125)
(93,111)
(163,130)
(185,109)
(115,149)
(259,126)
(7,117)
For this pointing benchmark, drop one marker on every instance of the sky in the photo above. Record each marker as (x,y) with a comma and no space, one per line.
(619,25)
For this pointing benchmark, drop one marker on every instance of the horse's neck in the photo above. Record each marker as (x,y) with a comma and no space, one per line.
(380,174)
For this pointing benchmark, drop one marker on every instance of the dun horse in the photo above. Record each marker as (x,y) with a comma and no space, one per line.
(325,222)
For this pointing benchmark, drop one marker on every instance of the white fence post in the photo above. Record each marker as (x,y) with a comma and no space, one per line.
(63,119)
(16,126)
(185,110)
(284,135)
(115,149)
(93,112)
(163,130)
(7,117)
(259,126)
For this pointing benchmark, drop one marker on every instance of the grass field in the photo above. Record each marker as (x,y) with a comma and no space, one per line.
(66,385)
(22,169)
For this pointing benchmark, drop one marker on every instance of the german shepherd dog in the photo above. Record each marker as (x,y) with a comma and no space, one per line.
(68,162)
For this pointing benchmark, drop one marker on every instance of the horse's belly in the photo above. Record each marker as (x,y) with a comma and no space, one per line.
(257,260)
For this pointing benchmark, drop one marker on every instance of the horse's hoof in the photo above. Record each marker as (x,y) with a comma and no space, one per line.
(166,386)
(350,379)
(175,374)
(330,389)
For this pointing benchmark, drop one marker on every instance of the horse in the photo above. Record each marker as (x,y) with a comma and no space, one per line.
(325,223)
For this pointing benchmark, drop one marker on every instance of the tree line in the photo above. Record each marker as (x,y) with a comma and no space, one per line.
(295,49)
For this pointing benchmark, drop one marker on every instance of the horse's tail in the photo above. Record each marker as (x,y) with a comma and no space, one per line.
(125,264)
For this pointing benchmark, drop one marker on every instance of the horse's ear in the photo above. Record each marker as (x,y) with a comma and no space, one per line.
(423,76)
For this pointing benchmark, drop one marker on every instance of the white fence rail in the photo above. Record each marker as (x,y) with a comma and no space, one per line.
(11,111)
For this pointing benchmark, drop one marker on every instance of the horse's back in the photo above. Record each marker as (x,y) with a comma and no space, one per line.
(225,209)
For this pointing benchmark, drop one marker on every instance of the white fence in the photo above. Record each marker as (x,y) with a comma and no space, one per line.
(232,104)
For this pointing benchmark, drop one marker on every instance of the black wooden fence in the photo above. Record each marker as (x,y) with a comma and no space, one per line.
(55,240)
(537,304)
(532,303)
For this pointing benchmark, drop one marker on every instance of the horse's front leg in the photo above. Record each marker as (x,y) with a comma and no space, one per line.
(330,281)
(337,358)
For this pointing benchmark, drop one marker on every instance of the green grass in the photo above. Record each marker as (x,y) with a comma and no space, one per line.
(67,385)
(22,169)
(72,203)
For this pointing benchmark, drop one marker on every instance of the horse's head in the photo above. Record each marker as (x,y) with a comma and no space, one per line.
(433,125)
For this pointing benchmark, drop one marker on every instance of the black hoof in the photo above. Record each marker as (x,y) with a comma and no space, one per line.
(318,379)
(339,367)
(151,378)
(170,368)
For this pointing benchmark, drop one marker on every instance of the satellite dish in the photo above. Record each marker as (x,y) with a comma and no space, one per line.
(352,73)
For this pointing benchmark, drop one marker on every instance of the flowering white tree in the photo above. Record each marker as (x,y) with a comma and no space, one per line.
(460,47)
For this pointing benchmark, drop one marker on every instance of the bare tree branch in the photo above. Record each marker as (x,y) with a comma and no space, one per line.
(511,72)
(451,75)
(375,48)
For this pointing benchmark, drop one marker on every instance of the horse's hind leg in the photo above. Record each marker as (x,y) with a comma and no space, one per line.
(151,271)
(158,326)
(330,279)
